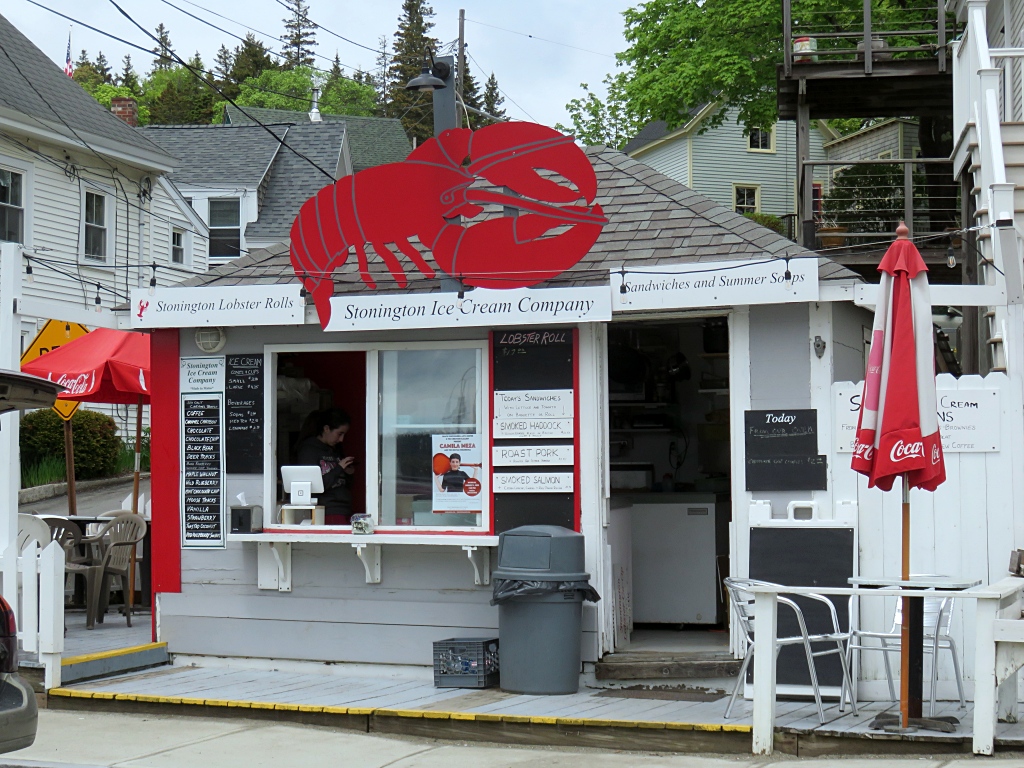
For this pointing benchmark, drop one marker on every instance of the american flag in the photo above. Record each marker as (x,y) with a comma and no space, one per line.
(69,69)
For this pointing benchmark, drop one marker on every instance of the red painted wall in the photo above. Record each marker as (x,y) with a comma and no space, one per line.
(165,461)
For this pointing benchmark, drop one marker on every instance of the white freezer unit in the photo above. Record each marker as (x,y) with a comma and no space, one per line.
(675,578)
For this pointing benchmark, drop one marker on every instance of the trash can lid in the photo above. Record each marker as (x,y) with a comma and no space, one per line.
(541,553)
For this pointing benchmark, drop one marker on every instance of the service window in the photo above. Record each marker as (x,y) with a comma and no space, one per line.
(431,431)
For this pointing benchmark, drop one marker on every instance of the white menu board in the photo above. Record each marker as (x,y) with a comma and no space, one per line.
(528,455)
(533,404)
(538,481)
(532,428)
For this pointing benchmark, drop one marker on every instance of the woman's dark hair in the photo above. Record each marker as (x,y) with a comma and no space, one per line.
(314,423)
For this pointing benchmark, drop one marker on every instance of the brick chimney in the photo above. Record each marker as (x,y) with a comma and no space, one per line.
(126,108)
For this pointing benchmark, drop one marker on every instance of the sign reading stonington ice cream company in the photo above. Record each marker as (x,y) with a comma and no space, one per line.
(714,284)
(231,305)
(479,307)
(969,419)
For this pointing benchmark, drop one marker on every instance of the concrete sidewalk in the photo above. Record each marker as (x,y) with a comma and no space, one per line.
(86,739)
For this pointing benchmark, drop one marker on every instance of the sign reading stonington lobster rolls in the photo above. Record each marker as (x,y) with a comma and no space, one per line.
(231,305)
(479,307)
(715,284)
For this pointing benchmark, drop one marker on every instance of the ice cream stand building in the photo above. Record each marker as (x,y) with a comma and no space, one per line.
(612,353)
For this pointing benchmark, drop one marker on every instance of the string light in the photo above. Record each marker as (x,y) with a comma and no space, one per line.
(622,286)
(950,257)
(28,269)
(97,300)
(461,295)
(787,277)
(152,281)
(67,330)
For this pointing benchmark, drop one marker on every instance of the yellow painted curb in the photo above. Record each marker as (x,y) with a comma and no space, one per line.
(570,721)
(240,704)
(287,707)
(310,708)
(192,702)
(544,720)
(400,712)
(737,728)
(336,711)
(711,727)
(358,710)
(650,724)
(106,695)
(217,703)
(262,705)
(487,717)
(150,699)
(613,723)
(464,716)
(432,715)
(126,696)
(86,657)
(516,718)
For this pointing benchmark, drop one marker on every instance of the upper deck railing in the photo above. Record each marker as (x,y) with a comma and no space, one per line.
(863,31)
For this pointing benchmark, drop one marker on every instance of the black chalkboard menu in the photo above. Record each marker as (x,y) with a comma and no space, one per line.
(534,360)
(243,393)
(782,451)
(203,470)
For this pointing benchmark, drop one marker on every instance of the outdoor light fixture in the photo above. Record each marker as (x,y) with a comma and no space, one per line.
(97,300)
(431,77)
(28,270)
(302,290)
(622,287)
(152,282)
(788,276)
(461,295)
(67,330)
(950,257)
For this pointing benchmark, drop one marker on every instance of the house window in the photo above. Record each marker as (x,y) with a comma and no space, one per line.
(225,228)
(12,210)
(177,246)
(431,399)
(95,226)
(887,155)
(760,140)
(746,199)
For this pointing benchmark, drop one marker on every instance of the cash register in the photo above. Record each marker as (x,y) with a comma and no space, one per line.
(302,482)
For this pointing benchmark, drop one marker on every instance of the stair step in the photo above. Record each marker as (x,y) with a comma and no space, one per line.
(652,666)
(76,668)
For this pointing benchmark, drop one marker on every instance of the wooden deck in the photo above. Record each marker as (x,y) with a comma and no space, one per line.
(113,634)
(390,693)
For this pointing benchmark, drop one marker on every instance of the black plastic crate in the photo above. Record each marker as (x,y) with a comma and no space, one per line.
(466,662)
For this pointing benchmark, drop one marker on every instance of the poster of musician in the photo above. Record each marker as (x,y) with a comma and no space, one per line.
(458,485)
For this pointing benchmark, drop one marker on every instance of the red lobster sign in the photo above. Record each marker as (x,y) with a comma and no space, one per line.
(421,196)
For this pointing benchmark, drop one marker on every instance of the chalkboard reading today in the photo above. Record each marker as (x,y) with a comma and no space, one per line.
(203,466)
(782,451)
(533,359)
(244,414)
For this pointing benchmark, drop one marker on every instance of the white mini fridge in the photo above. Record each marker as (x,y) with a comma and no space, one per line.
(674,571)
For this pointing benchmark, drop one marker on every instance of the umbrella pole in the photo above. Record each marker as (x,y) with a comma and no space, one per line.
(69,464)
(905,618)
(135,504)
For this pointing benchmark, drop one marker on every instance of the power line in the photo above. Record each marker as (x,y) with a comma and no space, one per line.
(534,37)
(482,69)
(223,95)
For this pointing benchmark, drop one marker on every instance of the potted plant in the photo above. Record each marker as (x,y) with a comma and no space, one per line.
(830,232)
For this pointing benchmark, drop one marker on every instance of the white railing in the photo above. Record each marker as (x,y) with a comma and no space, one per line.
(33,584)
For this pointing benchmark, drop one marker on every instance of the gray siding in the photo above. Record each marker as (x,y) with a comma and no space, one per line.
(876,140)
(670,158)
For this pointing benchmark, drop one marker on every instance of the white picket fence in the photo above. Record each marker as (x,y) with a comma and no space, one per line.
(966,528)
(33,584)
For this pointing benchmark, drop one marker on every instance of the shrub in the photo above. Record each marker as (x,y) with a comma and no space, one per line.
(97,445)
(773,223)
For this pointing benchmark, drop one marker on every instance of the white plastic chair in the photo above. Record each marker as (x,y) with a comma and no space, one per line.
(743,605)
(32,528)
(938,615)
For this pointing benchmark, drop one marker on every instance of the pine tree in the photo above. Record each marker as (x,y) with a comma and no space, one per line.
(300,35)
(223,63)
(250,59)
(86,74)
(411,42)
(83,60)
(162,51)
(186,99)
(472,99)
(379,76)
(493,99)
(128,79)
(102,66)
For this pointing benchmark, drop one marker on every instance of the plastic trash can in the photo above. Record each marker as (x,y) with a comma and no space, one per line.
(539,588)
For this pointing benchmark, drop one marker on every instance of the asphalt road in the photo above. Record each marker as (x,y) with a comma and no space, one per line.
(85,740)
(90,503)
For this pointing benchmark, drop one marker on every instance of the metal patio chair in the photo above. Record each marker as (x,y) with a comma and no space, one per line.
(743,606)
(938,615)
(121,535)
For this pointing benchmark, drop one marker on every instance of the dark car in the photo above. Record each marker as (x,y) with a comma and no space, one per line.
(18,714)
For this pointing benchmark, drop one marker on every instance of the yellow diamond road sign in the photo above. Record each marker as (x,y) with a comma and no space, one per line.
(50,337)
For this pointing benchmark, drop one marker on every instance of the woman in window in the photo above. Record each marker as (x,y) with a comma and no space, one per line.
(320,445)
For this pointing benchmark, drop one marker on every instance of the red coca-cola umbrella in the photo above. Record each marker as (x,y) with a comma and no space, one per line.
(898,430)
(103,366)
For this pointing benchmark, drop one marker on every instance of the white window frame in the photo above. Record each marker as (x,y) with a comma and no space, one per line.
(757,196)
(771,141)
(110,224)
(186,243)
(241,228)
(372,416)
(886,155)
(27,190)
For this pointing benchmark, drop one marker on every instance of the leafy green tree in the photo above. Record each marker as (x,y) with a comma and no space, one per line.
(250,59)
(340,95)
(300,35)
(412,40)
(176,96)
(292,89)
(493,99)
(611,122)
(128,78)
(86,74)
(102,66)
(163,49)
(105,93)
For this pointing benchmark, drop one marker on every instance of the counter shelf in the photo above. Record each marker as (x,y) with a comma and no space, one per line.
(274,550)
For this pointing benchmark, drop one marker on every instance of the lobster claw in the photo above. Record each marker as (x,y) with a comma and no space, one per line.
(510,154)
(513,252)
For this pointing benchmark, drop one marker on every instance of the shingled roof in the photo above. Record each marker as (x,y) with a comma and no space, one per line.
(652,221)
(32,86)
(371,140)
(218,155)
